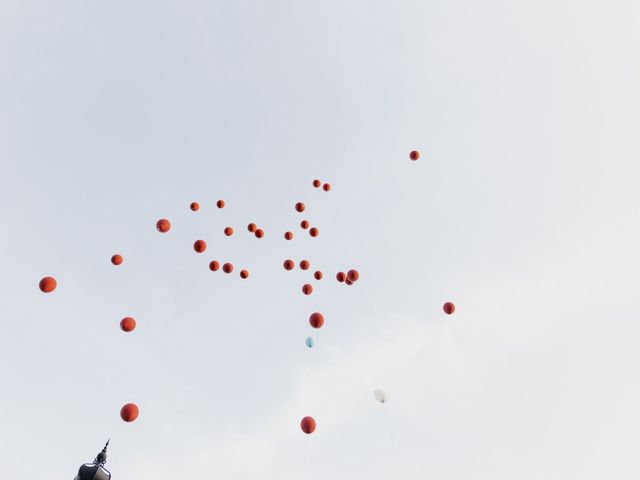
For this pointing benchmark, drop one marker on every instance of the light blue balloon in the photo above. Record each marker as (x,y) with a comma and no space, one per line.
(310,342)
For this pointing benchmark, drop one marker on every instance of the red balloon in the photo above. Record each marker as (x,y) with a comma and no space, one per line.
(228,231)
(252,227)
(289,264)
(129,412)
(308,425)
(304,264)
(214,266)
(449,308)
(128,324)
(307,289)
(48,284)
(227,268)
(259,233)
(244,274)
(200,246)
(326,187)
(414,155)
(116,259)
(340,276)
(304,224)
(313,231)
(288,235)
(317,183)
(300,207)
(163,225)
(318,275)
(348,282)
(353,275)
(220,203)
(195,206)
(316,320)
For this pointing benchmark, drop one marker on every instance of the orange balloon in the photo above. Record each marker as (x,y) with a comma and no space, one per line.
(200,246)
(227,268)
(129,412)
(304,224)
(289,264)
(252,227)
(414,155)
(317,183)
(353,275)
(163,225)
(195,206)
(318,275)
(300,207)
(244,274)
(214,266)
(316,320)
(128,324)
(48,284)
(288,235)
(449,308)
(259,233)
(307,289)
(313,231)
(304,264)
(228,231)
(220,203)
(326,187)
(116,259)
(340,276)
(308,425)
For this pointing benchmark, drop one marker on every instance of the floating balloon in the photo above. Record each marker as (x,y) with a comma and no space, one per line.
(128,324)
(316,320)
(380,396)
(244,274)
(353,275)
(228,231)
(304,224)
(129,412)
(220,204)
(348,282)
(48,284)
(304,264)
(308,425)
(307,289)
(163,225)
(252,227)
(227,268)
(195,206)
(288,235)
(449,308)
(116,259)
(289,264)
(310,342)
(317,183)
(200,246)
(313,231)
(326,187)
(341,276)
(317,275)
(259,233)
(414,155)
(300,207)
(214,266)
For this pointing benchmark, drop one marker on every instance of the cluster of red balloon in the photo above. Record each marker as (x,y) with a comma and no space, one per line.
(130,411)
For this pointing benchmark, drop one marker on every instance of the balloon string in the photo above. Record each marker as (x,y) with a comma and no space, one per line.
(390,436)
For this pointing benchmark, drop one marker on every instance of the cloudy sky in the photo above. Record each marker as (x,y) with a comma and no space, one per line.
(523,210)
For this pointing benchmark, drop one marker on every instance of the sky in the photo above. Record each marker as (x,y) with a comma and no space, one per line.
(523,210)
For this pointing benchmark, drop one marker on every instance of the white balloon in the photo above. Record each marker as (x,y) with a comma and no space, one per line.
(381,396)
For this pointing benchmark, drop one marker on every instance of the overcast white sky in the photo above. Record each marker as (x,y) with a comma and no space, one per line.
(524,210)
